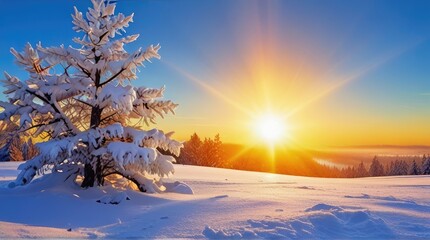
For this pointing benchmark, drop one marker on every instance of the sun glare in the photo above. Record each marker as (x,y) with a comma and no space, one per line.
(271,128)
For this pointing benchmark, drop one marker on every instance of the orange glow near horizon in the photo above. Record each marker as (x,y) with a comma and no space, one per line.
(249,97)
(263,75)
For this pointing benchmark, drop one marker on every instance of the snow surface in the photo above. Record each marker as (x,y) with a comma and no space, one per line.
(222,204)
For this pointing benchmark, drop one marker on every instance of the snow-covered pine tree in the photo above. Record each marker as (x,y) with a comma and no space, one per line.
(414,169)
(376,168)
(425,167)
(362,171)
(81,98)
(218,157)
(16,152)
(404,167)
(4,153)
(399,167)
(6,137)
(13,147)
(211,151)
(192,151)
(29,150)
(206,153)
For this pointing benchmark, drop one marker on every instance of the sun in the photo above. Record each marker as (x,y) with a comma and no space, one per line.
(271,128)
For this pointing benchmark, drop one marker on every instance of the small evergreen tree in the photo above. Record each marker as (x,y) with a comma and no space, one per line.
(362,171)
(4,152)
(13,147)
(387,169)
(391,169)
(414,169)
(218,153)
(404,168)
(376,168)
(206,153)
(7,134)
(15,150)
(203,153)
(31,150)
(425,167)
(399,167)
(21,150)
(211,153)
(191,153)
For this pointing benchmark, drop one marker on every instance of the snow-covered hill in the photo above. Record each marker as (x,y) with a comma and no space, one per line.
(225,203)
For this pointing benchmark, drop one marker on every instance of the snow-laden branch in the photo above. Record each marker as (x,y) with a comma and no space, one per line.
(32,102)
(139,102)
(154,139)
(126,69)
(30,60)
(100,23)
(138,155)
(137,163)
(148,105)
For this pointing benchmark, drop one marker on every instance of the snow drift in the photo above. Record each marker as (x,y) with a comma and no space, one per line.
(225,204)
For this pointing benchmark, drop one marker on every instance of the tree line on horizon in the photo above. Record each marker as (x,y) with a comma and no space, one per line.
(208,152)
(213,153)
(394,168)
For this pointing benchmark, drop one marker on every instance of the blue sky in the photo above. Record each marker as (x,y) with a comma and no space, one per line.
(387,42)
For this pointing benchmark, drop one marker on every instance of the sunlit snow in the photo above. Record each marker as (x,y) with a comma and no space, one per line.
(221,204)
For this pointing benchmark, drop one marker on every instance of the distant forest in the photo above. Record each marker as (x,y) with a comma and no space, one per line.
(213,153)
(15,148)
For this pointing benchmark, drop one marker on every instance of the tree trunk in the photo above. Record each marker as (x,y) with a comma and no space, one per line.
(92,175)
(89,176)
(96,114)
(99,173)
